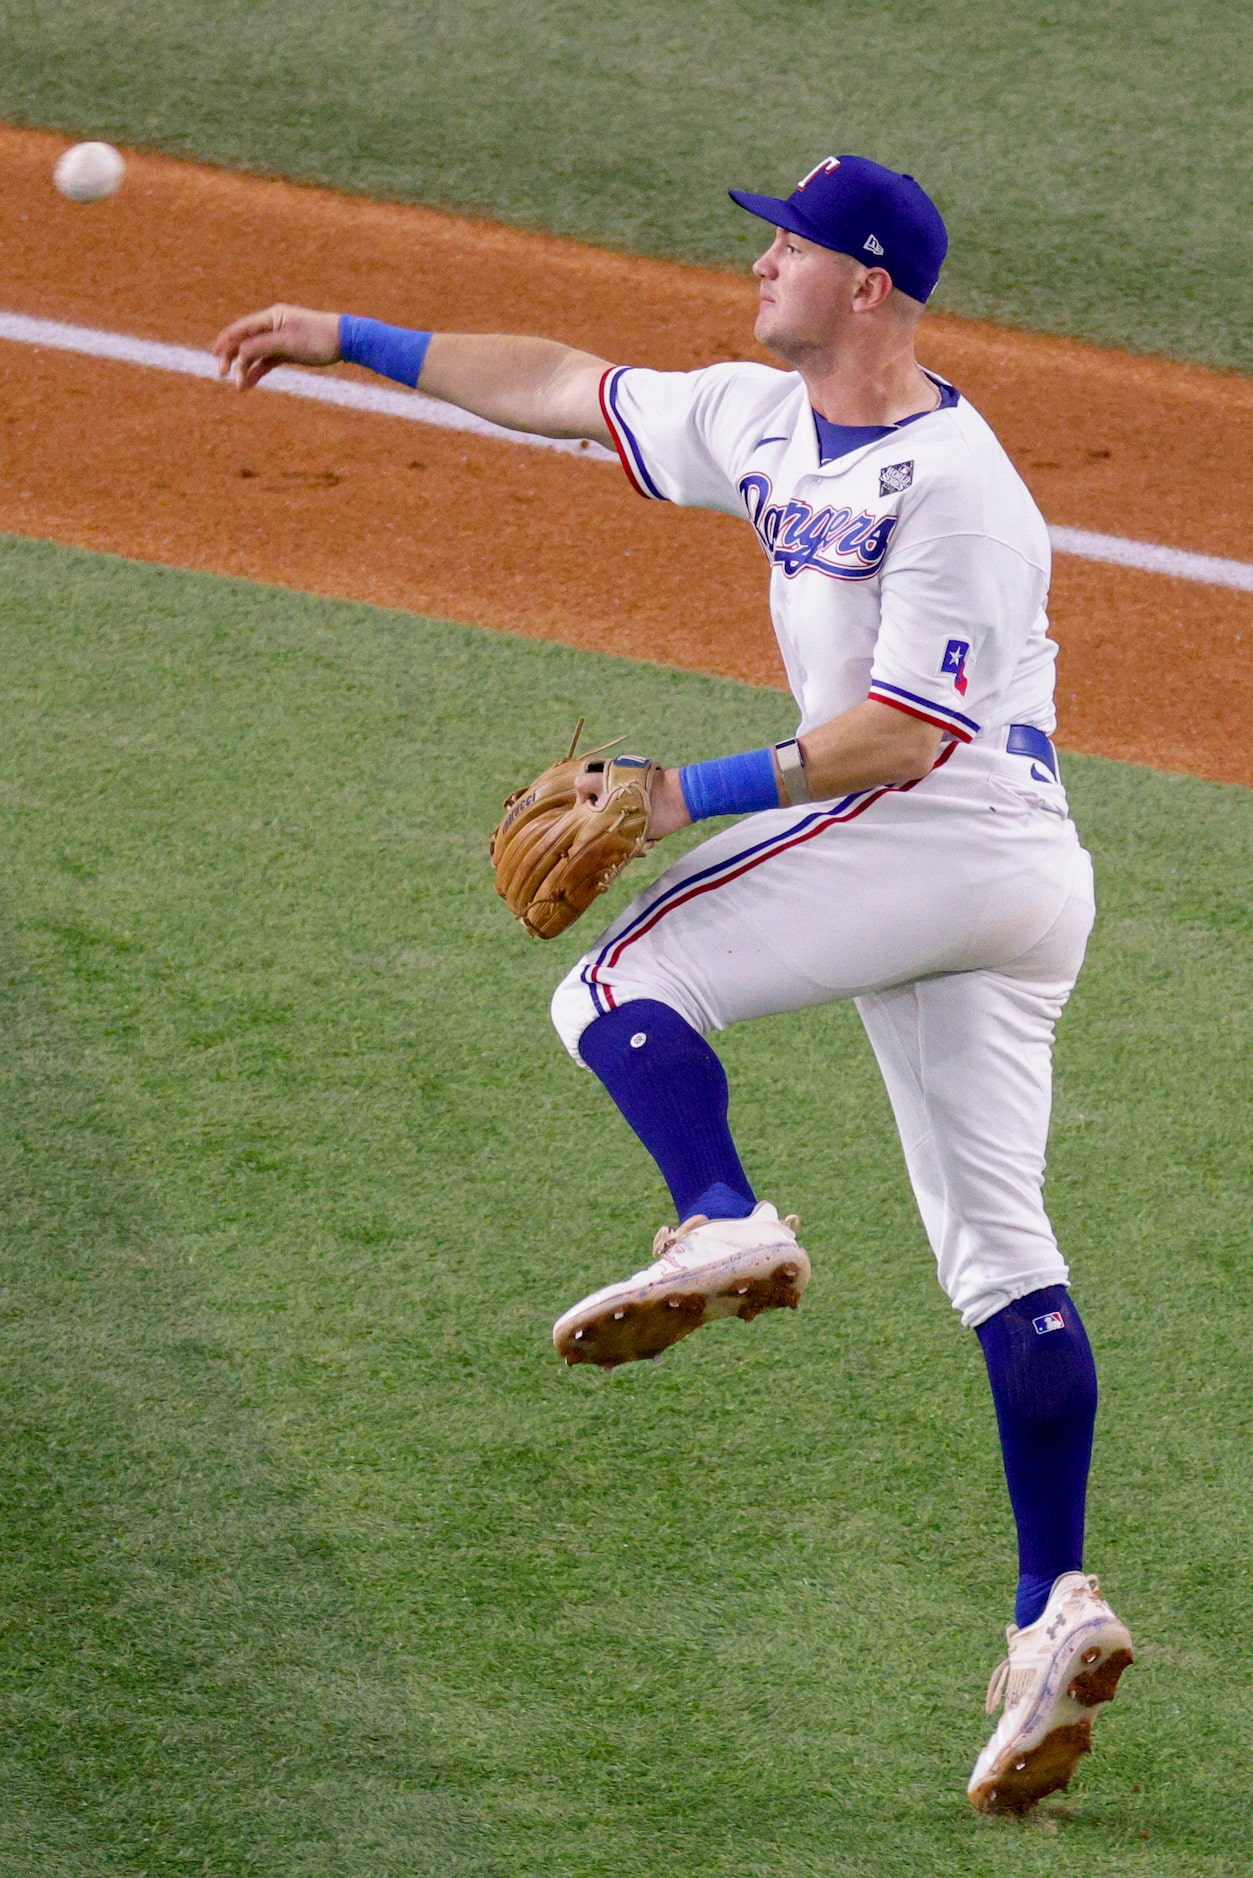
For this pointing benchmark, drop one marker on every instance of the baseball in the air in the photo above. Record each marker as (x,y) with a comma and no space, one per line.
(88,172)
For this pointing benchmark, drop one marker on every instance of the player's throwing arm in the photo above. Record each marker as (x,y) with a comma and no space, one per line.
(535,385)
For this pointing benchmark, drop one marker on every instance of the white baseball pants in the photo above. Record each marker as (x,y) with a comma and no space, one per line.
(955,914)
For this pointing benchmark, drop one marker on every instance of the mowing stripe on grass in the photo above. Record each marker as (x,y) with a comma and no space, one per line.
(1208,569)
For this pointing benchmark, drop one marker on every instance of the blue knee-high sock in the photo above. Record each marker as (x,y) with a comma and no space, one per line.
(1044,1386)
(672,1089)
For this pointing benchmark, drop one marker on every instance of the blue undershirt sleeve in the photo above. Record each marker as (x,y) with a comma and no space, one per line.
(391,351)
(730,785)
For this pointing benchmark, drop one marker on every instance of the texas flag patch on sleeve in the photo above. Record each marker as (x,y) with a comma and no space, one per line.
(953,664)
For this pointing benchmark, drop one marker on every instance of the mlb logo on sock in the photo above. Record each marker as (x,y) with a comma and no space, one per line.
(1052,1320)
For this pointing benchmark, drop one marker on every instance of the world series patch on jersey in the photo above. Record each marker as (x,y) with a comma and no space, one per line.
(882,564)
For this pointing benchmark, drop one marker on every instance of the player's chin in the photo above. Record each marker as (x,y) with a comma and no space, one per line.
(769,330)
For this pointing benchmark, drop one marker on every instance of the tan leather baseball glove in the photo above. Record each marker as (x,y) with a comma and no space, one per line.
(555,851)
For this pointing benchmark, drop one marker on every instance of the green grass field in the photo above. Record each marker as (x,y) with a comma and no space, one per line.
(316,1562)
(1094,163)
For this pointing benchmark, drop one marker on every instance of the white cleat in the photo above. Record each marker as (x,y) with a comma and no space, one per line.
(703,1269)
(1057,1671)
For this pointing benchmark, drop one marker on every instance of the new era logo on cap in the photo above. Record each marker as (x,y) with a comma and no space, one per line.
(1052,1320)
(873,244)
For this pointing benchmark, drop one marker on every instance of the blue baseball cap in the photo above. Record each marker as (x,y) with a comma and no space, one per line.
(879,216)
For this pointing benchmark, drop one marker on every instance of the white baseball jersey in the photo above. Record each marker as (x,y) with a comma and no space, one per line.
(913,569)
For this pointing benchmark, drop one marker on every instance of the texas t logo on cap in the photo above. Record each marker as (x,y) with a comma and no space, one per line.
(820,169)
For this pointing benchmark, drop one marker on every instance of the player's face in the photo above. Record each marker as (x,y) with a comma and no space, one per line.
(804,295)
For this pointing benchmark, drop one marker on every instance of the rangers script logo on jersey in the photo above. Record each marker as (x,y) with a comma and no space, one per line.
(833,541)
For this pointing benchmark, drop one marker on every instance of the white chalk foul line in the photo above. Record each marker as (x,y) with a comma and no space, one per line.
(1153,560)
(1209,569)
(296,384)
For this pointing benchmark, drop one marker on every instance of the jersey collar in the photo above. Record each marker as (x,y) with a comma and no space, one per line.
(837,440)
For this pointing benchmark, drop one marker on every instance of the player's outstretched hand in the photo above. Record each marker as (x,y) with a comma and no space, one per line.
(279,335)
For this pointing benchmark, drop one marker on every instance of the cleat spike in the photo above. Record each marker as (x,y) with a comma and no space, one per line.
(618,1316)
(577,1335)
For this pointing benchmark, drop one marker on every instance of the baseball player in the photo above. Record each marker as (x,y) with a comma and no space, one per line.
(909,848)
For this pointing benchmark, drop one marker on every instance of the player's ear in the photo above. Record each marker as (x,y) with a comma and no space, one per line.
(872,289)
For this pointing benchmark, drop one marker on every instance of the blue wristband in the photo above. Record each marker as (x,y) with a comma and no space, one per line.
(391,351)
(730,785)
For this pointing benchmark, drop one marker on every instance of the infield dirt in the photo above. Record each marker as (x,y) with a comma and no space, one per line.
(358,506)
